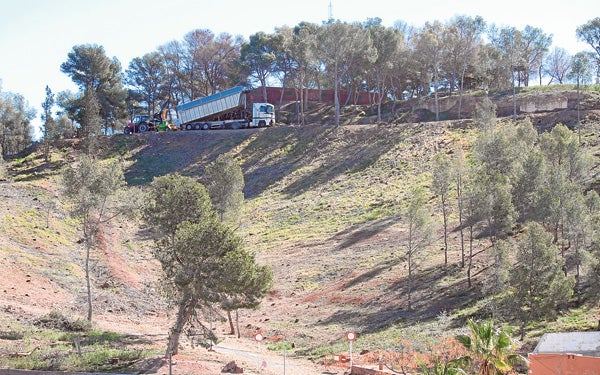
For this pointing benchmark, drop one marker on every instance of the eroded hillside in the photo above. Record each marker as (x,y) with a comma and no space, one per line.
(323,209)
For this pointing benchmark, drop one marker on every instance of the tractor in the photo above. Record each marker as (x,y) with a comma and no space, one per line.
(156,122)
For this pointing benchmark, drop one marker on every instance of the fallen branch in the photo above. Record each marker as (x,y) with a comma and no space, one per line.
(22,354)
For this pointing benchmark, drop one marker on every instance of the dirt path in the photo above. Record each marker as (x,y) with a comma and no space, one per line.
(247,354)
(258,360)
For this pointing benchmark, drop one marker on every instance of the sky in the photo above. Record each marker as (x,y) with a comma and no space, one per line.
(37,35)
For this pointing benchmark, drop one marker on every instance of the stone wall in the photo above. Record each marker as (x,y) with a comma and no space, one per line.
(534,103)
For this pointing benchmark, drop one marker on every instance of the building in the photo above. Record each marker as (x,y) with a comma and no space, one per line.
(568,353)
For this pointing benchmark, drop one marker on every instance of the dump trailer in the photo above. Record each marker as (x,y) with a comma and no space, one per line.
(229,109)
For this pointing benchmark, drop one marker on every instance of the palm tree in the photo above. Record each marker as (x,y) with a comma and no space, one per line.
(491,349)
(441,368)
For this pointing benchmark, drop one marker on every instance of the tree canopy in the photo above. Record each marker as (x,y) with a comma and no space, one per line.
(463,53)
(94,73)
(203,260)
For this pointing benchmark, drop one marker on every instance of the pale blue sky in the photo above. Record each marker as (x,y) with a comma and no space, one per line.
(37,35)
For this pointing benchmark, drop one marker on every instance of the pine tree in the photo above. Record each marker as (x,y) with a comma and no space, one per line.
(225,183)
(539,284)
(90,122)
(203,260)
(49,125)
(92,71)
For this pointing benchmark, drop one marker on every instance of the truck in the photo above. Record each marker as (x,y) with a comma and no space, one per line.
(156,122)
(228,109)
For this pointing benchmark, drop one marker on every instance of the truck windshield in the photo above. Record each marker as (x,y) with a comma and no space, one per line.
(267,108)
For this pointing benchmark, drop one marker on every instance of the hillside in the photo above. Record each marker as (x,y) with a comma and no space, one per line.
(322,209)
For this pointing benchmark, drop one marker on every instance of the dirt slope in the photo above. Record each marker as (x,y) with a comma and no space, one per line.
(321,210)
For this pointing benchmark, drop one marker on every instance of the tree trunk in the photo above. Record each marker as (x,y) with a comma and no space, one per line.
(514,98)
(88,243)
(460,221)
(409,280)
(578,113)
(237,322)
(578,265)
(336,99)
(283,83)
(445,215)
(410,265)
(231,329)
(379,99)
(302,98)
(87,280)
(470,255)
(435,91)
(298,98)
(264,91)
(460,92)
(183,316)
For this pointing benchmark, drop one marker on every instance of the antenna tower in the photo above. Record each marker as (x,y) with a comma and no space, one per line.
(330,11)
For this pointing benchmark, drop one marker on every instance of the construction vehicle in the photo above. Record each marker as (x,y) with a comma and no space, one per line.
(156,122)
(228,109)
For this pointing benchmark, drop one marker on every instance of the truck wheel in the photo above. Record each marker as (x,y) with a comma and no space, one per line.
(262,123)
(143,128)
(127,130)
(188,126)
(196,126)
(205,127)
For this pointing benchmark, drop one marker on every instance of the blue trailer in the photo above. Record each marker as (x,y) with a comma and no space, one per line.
(227,109)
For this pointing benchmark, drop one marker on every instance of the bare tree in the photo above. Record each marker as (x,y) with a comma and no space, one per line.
(442,185)
(459,166)
(175,76)
(557,65)
(417,219)
(90,186)
(207,61)
(535,46)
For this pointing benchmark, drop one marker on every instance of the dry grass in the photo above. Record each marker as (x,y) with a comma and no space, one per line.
(323,210)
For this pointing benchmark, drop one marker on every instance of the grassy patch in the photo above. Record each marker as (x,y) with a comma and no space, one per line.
(281,346)
(62,344)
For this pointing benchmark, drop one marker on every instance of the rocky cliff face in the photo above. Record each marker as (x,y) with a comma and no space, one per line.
(526,103)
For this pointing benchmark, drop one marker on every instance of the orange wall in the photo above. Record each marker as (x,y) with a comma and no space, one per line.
(563,364)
